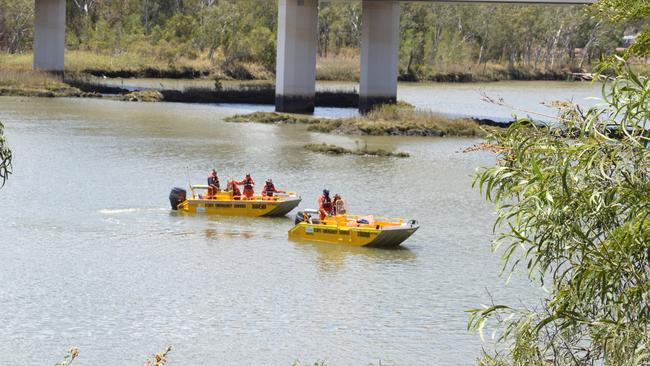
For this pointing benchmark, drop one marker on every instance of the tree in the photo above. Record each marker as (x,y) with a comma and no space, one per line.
(5,157)
(573,204)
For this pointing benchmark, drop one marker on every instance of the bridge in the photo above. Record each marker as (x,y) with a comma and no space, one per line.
(297,47)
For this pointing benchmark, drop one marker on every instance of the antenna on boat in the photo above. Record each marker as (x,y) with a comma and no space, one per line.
(189,181)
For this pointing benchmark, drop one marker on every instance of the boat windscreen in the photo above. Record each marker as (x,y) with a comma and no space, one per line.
(199,186)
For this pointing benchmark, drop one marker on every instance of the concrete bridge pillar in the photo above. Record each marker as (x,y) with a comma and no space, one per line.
(49,35)
(295,84)
(379,53)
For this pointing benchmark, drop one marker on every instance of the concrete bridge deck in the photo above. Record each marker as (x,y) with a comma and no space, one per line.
(297,47)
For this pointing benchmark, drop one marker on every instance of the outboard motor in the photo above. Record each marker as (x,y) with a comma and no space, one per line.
(176,197)
(300,217)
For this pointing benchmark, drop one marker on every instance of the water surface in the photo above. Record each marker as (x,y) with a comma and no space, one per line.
(92,256)
(523,98)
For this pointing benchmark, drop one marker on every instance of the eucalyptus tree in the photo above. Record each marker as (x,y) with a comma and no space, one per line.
(573,204)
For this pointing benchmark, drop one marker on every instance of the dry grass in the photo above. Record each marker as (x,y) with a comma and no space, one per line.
(273,117)
(34,83)
(143,96)
(338,68)
(365,151)
(396,120)
(84,61)
(155,62)
(400,121)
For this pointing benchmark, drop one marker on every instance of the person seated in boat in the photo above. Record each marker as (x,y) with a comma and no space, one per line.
(232,187)
(339,205)
(325,207)
(269,189)
(307,217)
(248,184)
(213,184)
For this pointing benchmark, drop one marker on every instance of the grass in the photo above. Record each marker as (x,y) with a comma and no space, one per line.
(398,120)
(391,120)
(143,96)
(34,83)
(274,117)
(338,68)
(338,150)
(125,64)
(154,62)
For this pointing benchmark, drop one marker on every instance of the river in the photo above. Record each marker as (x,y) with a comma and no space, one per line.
(93,257)
(525,98)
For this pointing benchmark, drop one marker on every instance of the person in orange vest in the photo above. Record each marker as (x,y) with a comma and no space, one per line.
(248,184)
(325,206)
(213,184)
(232,186)
(269,189)
(339,205)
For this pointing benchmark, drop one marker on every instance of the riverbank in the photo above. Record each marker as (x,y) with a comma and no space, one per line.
(343,67)
(42,84)
(35,84)
(387,120)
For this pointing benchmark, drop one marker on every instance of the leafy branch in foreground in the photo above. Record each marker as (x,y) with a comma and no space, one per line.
(573,204)
(5,157)
(159,358)
(73,352)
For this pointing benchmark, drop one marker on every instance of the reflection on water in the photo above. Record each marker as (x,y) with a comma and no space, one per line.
(333,257)
(92,256)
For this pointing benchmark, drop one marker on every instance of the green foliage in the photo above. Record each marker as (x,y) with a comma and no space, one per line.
(5,157)
(573,203)
(73,353)
(633,12)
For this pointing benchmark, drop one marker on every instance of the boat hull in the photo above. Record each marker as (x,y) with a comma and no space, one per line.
(362,237)
(252,208)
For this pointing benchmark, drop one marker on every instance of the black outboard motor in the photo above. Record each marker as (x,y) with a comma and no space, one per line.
(300,217)
(176,197)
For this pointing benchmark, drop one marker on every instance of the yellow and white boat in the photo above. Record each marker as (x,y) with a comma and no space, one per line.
(354,230)
(224,203)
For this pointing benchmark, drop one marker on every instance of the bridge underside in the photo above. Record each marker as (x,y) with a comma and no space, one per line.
(297,48)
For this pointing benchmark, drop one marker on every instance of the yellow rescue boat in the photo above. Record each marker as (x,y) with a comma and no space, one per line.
(354,230)
(224,203)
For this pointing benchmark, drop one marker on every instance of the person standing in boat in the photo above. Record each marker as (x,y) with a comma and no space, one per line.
(269,189)
(339,205)
(325,206)
(213,184)
(248,184)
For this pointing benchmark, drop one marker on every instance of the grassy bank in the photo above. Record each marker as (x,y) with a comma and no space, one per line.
(42,84)
(35,84)
(342,67)
(364,151)
(471,72)
(388,120)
